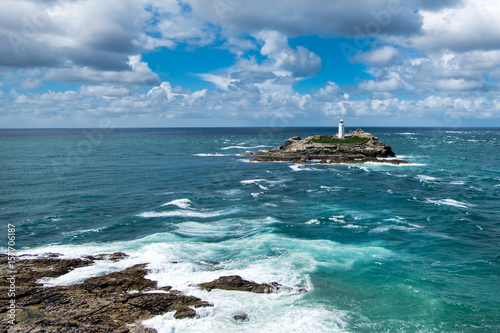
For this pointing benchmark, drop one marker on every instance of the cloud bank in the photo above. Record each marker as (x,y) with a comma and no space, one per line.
(428,62)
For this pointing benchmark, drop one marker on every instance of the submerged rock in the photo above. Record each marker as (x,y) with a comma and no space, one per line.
(357,147)
(240,316)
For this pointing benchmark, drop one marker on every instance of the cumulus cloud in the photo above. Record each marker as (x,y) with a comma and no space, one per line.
(379,57)
(294,17)
(472,25)
(103,91)
(138,74)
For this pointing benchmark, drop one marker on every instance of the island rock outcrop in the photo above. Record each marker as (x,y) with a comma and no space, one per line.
(356,147)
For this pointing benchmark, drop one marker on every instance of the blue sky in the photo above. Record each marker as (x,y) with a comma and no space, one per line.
(161,63)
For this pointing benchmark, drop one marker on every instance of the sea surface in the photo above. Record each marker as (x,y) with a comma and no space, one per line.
(379,247)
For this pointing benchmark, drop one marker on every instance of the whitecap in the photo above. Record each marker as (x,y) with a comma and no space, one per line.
(242,147)
(383,229)
(313,221)
(224,228)
(408,133)
(181,203)
(79,232)
(458,182)
(424,178)
(300,167)
(180,213)
(251,181)
(337,218)
(209,155)
(352,226)
(449,202)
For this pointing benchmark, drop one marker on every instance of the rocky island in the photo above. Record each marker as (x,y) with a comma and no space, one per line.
(355,147)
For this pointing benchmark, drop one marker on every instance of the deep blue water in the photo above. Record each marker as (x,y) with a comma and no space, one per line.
(382,248)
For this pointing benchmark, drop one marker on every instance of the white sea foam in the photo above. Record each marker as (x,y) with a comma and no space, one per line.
(408,133)
(209,155)
(449,202)
(181,203)
(79,232)
(242,147)
(180,213)
(424,178)
(224,228)
(331,188)
(458,182)
(263,257)
(338,218)
(352,226)
(300,167)
(255,194)
(387,228)
(251,181)
(313,221)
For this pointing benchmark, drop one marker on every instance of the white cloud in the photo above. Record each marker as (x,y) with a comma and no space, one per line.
(164,105)
(103,91)
(138,74)
(379,57)
(385,85)
(282,60)
(473,25)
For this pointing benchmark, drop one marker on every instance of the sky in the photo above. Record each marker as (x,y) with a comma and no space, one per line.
(266,63)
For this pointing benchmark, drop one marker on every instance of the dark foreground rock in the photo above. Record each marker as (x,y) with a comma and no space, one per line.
(236,282)
(116,302)
(295,149)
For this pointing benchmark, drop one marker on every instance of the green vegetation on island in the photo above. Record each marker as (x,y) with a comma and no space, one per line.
(334,140)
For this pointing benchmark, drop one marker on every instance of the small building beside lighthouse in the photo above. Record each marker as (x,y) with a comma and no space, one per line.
(341,134)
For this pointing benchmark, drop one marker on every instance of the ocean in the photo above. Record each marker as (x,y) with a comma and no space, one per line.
(379,247)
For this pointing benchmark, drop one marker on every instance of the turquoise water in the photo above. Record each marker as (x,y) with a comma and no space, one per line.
(382,248)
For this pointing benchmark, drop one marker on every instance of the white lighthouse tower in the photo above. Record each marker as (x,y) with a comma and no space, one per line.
(341,129)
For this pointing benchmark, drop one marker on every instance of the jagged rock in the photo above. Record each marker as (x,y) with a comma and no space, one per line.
(302,151)
(236,282)
(100,304)
(290,141)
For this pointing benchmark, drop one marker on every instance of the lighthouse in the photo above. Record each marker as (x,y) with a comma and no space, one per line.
(341,129)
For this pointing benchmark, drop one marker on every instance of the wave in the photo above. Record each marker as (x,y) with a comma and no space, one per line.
(181,203)
(209,155)
(338,218)
(424,178)
(262,257)
(243,147)
(449,202)
(180,213)
(79,232)
(352,226)
(251,181)
(313,221)
(223,229)
(300,167)
(383,229)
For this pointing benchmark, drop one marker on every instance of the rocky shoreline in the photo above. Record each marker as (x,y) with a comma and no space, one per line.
(358,147)
(116,302)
